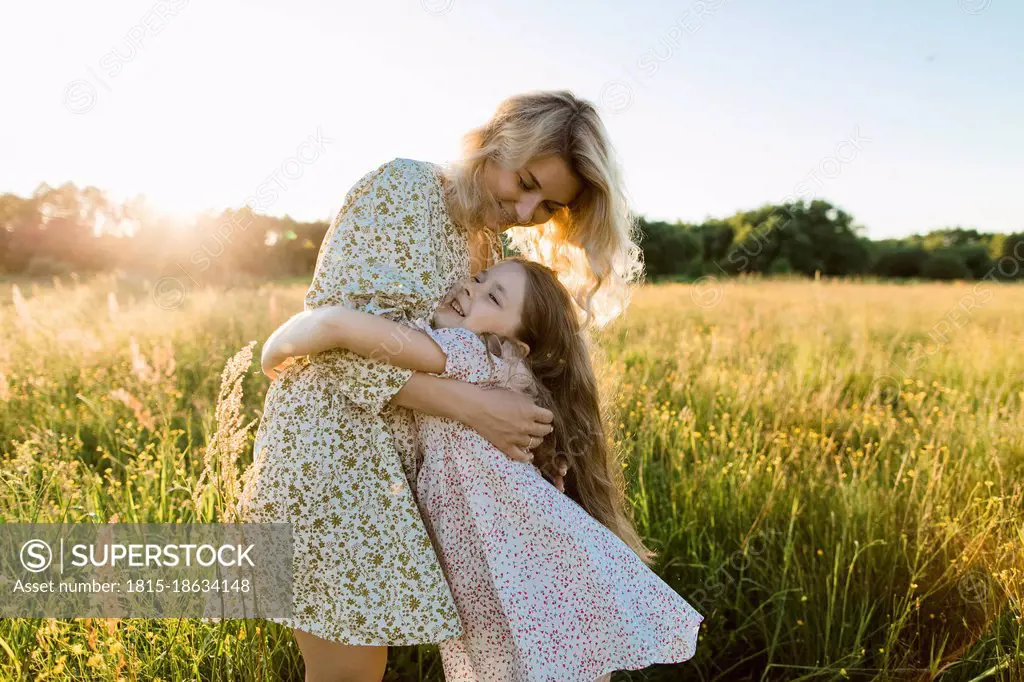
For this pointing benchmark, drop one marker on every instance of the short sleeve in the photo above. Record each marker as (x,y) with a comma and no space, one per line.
(467,357)
(512,370)
(377,257)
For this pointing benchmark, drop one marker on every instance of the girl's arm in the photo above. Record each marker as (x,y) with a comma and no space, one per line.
(377,256)
(371,336)
(507,419)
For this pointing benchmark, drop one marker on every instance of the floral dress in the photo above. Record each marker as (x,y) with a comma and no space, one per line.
(331,457)
(545,592)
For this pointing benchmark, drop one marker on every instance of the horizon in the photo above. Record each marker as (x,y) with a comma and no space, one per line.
(899,116)
(214,213)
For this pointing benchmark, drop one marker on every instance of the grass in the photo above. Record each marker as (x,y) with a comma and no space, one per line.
(830,472)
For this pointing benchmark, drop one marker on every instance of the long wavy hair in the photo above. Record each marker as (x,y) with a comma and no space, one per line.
(592,243)
(556,350)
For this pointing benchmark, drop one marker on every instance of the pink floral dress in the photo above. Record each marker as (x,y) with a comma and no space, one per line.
(543,590)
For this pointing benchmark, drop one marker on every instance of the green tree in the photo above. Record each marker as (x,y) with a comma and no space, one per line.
(668,248)
(944,265)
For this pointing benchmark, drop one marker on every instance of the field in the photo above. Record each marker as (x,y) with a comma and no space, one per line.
(831,472)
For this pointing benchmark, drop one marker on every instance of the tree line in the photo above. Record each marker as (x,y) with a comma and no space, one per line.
(63,230)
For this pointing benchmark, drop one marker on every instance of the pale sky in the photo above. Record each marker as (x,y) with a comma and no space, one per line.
(713,106)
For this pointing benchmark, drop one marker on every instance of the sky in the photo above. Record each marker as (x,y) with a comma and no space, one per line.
(906,114)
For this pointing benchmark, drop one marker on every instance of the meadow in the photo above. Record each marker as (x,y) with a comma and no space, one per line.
(830,471)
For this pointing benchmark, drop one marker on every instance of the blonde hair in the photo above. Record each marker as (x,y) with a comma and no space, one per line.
(558,359)
(591,244)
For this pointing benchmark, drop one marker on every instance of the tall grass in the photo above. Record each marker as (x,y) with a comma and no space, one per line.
(834,485)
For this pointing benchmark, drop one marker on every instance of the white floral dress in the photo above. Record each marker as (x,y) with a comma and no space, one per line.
(331,456)
(545,592)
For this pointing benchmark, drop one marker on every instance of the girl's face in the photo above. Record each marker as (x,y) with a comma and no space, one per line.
(529,195)
(490,301)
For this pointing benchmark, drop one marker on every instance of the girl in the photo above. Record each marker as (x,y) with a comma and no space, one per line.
(544,590)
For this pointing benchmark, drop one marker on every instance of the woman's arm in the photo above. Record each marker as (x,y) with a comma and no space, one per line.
(377,338)
(509,420)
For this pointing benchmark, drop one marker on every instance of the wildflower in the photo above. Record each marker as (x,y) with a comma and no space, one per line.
(25,320)
(230,439)
(163,358)
(142,415)
(140,367)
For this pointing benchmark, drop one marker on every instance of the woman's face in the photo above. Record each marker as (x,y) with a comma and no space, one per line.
(529,195)
(489,301)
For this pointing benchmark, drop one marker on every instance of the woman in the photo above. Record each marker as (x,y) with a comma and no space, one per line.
(339,463)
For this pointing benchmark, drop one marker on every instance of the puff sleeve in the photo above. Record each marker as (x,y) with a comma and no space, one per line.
(377,257)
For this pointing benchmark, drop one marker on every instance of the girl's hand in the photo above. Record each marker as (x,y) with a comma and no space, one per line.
(274,362)
(303,334)
(509,420)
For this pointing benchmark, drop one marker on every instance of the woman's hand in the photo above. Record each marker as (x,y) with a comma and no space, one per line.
(509,420)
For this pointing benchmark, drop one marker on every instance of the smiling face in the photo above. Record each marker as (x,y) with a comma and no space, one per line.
(529,195)
(490,301)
